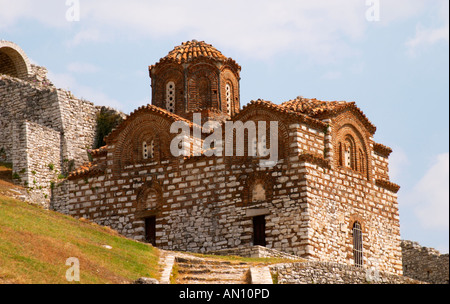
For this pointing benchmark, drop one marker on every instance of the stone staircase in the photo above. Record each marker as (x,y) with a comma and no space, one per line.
(193,270)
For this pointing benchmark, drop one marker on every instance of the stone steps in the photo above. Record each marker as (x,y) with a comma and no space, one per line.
(192,270)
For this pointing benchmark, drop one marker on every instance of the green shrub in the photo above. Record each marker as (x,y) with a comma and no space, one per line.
(107,120)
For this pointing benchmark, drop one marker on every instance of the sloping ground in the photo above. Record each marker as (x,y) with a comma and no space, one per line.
(7,187)
(36,243)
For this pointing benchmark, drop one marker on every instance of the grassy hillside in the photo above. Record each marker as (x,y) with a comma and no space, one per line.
(35,244)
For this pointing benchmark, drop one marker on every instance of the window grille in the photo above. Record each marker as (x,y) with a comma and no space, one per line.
(357,244)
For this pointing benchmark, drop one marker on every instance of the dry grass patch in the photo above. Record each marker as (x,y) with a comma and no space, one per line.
(35,244)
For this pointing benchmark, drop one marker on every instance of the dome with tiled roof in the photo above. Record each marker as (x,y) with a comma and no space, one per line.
(196,76)
(193,49)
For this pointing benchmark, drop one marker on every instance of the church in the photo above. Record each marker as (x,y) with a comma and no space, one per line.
(326,196)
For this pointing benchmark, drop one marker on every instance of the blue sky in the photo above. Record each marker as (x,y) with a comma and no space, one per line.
(396,68)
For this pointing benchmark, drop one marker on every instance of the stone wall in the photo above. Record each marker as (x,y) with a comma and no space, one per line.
(425,264)
(45,132)
(332,273)
(255,252)
(204,204)
(339,198)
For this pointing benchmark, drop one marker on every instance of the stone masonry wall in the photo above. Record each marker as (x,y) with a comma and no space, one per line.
(78,119)
(332,273)
(425,264)
(337,199)
(204,205)
(43,161)
(42,127)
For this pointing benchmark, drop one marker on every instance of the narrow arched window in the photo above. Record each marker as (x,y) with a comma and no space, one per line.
(362,161)
(170,97)
(228,98)
(349,153)
(357,244)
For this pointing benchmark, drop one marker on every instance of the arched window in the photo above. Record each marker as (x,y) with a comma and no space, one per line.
(170,97)
(362,161)
(228,97)
(148,150)
(357,244)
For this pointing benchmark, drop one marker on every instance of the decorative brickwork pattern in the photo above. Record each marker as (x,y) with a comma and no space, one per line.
(309,201)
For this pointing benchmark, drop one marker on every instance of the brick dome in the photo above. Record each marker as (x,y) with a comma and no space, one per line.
(194,77)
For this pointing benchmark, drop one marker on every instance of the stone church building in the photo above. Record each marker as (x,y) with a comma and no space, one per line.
(327,197)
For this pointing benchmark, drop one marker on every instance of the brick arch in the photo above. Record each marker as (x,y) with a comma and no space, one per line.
(228,77)
(170,72)
(129,141)
(249,182)
(355,217)
(13,60)
(267,116)
(360,152)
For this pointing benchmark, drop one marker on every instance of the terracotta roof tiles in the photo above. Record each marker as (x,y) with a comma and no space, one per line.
(321,109)
(192,50)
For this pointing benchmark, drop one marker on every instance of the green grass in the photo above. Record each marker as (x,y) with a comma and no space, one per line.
(35,244)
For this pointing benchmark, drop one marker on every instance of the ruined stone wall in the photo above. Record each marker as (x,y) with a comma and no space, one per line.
(332,273)
(43,161)
(21,100)
(425,264)
(42,127)
(78,121)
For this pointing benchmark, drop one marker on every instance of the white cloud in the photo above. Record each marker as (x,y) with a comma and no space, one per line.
(428,36)
(49,12)
(322,30)
(430,196)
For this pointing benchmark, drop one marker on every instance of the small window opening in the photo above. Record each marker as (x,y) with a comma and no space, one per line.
(357,244)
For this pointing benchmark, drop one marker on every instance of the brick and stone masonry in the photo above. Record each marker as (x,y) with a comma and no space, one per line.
(329,176)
